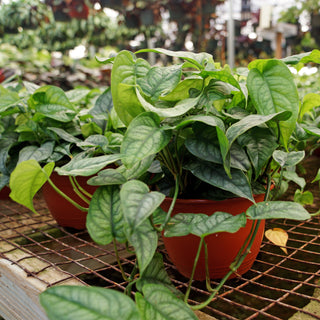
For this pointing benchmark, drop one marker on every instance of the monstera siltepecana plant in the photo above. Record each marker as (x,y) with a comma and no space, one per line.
(194,131)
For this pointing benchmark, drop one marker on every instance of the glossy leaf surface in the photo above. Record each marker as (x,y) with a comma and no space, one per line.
(138,202)
(105,218)
(144,137)
(159,303)
(29,177)
(272,89)
(202,225)
(278,210)
(84,303)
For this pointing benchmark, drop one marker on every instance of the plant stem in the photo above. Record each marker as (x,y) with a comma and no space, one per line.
(78,189)
(233,267)
(62,194)
(194,269)
(84,191)
(174,199)
(124,276)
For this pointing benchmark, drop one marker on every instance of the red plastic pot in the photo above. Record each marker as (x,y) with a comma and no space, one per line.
(62,210)
(222,247)
(4,193)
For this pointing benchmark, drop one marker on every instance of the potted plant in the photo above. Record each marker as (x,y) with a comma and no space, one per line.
(194,130)
(43,126)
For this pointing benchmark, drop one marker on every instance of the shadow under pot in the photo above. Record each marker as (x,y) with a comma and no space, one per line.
(222,247)
(66,214)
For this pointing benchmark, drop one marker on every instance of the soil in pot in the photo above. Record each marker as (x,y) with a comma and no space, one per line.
(222,247)
(62,210)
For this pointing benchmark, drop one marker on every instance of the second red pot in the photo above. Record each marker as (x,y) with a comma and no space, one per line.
(222,247)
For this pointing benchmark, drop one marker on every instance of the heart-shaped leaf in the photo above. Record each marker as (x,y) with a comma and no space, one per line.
(288,159)
(105,218)
(27,179)
(216,176)
(125,72)
(202,225)
(144,239)
(278,210)
(84,303)
(87,166)
(144,137)
(272,89)
(138,203)
(158,302)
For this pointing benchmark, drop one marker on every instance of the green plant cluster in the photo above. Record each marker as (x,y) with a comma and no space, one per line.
(49,125)
(188,130)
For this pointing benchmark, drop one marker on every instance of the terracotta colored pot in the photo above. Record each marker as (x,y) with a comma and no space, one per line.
(4,193)
(222,247)
(62,210)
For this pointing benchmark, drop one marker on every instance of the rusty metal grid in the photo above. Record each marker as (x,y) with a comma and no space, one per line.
(278,286)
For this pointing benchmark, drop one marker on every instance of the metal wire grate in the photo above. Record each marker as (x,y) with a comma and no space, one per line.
(278,286)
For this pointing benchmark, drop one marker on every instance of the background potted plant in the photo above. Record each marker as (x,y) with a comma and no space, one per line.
(196,129)
(43,125)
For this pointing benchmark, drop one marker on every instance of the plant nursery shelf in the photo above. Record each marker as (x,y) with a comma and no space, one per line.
(36,253)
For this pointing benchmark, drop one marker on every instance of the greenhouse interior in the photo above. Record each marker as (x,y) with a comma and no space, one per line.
(159,159)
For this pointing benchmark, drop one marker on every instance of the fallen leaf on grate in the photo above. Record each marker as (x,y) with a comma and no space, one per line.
(279,237)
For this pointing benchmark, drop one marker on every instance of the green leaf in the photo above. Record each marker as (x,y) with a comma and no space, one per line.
(64,135)
(7,99)
(144,137)
(52,102)
(138,169)
(317,177)
(37,153)
(125,72)
(155,273)
(211,121)
(288,159)
(310,101)
(107,177)
(295,59)
(254,120)
(160,80)
(159,303)
(202,225)
(77,95)
(102,108)
(222,75)
(84,303)
(303,198)
(180,108)
(216,176)
(260,144)
(90,128)
(138,203)
(277,210)
(105,218)
(292,176)
(182,90)
(272,89)
(87,166)
(312,130)
(145,242)
(206,149)
(199,60)
(26,180)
